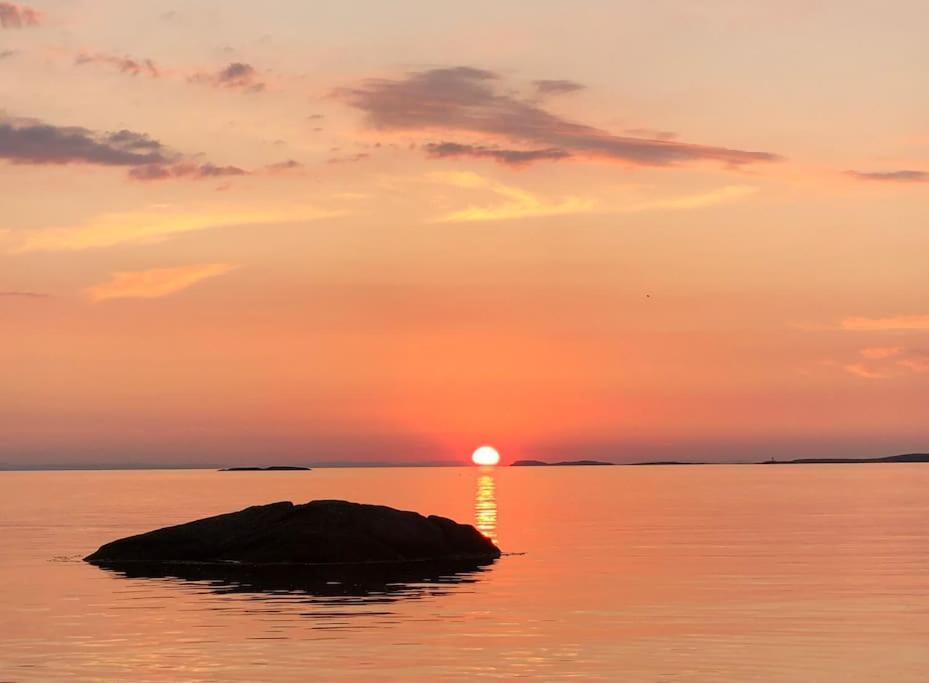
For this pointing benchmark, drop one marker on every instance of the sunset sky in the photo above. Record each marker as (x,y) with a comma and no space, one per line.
(294,232)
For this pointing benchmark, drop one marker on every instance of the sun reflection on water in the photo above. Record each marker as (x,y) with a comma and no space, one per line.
(485,506)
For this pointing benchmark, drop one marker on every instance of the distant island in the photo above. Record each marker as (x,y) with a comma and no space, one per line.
(563,463)
(272,468)
(907,457)
(665,462)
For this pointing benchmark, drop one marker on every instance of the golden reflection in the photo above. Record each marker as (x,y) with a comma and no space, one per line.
(485,506)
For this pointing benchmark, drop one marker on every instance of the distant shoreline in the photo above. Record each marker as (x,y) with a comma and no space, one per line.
(906,457)
(892,459)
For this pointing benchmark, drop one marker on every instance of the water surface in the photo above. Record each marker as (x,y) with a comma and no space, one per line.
(687,574)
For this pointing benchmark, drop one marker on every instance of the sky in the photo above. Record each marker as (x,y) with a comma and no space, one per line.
(302,232)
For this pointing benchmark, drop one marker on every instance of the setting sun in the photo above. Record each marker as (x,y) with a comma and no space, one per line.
(485,455)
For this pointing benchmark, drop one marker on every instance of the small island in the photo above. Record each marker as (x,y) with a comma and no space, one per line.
(271,468)
(906,457)
(563,463)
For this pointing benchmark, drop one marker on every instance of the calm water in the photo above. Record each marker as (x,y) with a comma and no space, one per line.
(684,574)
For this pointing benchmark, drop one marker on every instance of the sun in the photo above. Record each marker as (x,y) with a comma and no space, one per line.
(485,455)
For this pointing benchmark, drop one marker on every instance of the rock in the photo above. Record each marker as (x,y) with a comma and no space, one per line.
(318,532)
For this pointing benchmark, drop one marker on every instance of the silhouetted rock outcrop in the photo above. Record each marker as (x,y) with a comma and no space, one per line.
(321,531)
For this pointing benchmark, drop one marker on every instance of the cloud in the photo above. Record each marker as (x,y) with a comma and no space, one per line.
(904,176)
(890,361)
(126,65)
(283,166)
(556,87)
(519,204)
(194,171)
(24,295)
(651,133)
(863,371)
(510,157)
(157,282)
(917,362)
(523,204)
(33,142)
(26,141)
(350,158)
(18,16)
(469,101)
(152,226)
(235,76)
(699,200)
(899,323)
(881,352)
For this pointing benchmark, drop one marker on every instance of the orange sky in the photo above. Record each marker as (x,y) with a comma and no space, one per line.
(626,230)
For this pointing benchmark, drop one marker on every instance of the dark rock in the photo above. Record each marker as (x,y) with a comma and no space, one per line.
(321,531)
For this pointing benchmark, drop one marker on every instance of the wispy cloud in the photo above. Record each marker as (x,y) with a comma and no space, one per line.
(519,203)
(523,204)
(152,226)
(651,133)
(13,15)
(191,170)
(122,63)
(881,352)
(902,176)
(466,100)
(24,295)
(284,166)
(157,282)
(234,76)
(863,371)
(509,157)
(556,86)
(885,362)
(349,158)
(699,200)
(889,324)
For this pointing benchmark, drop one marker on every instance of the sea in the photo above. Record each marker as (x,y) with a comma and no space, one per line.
(684,574)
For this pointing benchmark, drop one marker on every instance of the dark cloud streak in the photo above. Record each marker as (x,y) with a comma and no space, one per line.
(556,87)
(126,65)
(510,157)
(31,142)
(234,76)
(903,176)
(467,100)
(24,295)
(193,171)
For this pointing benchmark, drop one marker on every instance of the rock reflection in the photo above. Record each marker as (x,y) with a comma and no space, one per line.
(357,583)
(485,506)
